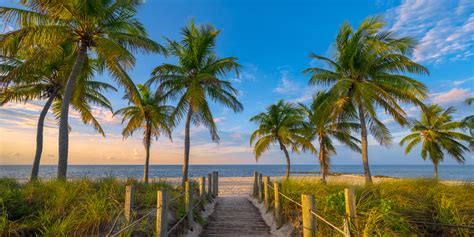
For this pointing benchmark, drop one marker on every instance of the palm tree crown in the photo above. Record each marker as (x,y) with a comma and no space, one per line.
(320,126)
(367,75)
(438,134)
(281,124)
(150,114)
(195,79)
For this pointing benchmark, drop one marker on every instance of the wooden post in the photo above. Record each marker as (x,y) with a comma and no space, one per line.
(278,214)
(129,192)
(214,183)
(202,186)
(309,220)
(162,214)
(266,192)
(202,190)
(260,188)
(217,183)
(209,186)
(189,204)
(255,184)
(350,201)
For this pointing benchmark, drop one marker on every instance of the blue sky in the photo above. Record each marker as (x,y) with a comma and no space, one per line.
(272,40)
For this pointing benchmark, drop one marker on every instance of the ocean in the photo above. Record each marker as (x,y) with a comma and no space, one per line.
(447,172)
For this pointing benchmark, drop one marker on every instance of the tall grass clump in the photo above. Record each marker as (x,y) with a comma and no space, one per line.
(392,208)
(73,208)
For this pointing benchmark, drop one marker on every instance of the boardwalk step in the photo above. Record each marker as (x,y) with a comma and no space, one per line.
(235,216)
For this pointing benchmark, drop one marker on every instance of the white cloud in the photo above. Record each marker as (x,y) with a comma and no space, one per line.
(219,119)
(453,95)
(445,29)
(286,85)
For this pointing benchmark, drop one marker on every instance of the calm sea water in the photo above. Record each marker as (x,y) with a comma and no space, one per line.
(450,172)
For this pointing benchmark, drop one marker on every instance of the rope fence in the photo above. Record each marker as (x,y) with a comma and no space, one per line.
(262,192)
(162,207)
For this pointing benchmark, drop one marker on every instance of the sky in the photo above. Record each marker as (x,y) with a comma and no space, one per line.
(272,40)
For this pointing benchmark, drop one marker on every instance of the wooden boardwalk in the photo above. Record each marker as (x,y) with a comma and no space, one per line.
(235,216)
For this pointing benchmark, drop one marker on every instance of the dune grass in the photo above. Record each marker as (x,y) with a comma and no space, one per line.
(388,208)
(74,208)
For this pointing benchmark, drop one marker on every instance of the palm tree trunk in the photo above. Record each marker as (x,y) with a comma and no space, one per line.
(435,170)
(63,120)
(39,138)
(147,150)
(287,156)
(187,144)
(321,161)
(363,136)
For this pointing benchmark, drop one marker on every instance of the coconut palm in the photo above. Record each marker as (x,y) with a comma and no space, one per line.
(45,80)
(366,76)
(107,28)
(150,114)
(195,79)
(321,127)
(281,124)
(438,134)
(469,123)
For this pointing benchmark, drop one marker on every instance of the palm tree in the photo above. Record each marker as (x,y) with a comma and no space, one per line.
(281,124)
(196,78)
(469,123)
(27,80)
(324,129)
(106,27)
(437,132)
(366,76)
(150,114)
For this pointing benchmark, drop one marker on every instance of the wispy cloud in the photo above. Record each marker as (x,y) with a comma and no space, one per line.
(453,95)
(286,86)
(445,29)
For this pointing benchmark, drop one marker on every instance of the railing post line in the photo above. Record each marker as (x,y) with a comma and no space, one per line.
(350,203)
(278,215)
(255,184)
(161,214)
(309,220)
(189,204)
(266,192)
(129,192)
(260,188)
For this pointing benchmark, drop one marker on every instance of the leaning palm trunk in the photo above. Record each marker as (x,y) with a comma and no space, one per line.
(187,144)
(363,136)
(39,139)
(435,174)
(147,150)
(63,120)
(288,164)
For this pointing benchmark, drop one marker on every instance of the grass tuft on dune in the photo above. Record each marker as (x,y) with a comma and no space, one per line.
(74,208)
(388,208)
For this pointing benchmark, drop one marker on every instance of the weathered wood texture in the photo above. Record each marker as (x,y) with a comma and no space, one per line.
(235,216)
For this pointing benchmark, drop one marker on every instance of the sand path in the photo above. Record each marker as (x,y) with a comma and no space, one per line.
(234,214)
